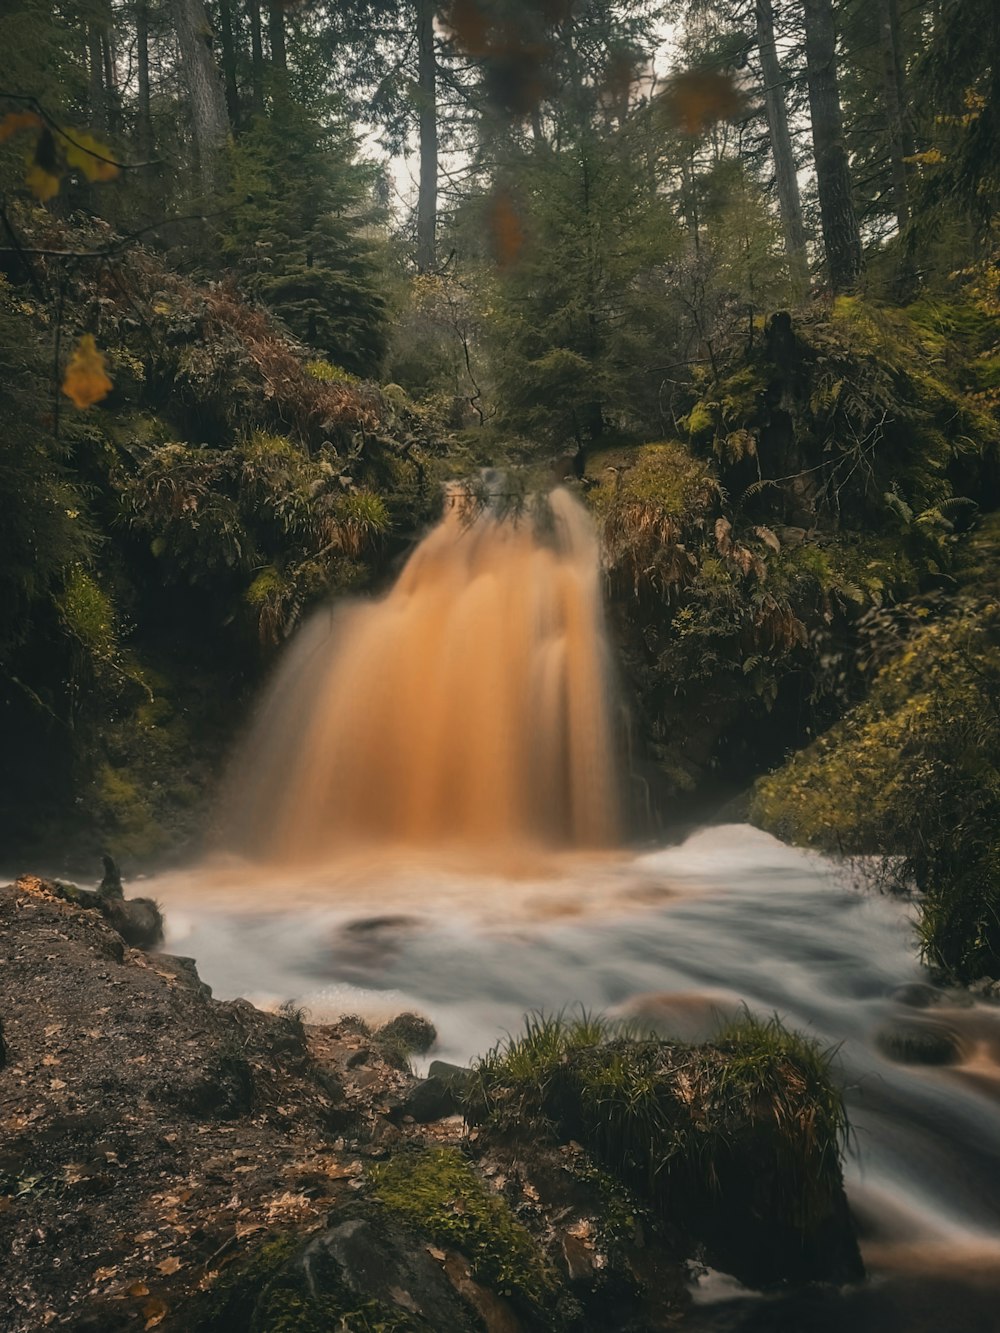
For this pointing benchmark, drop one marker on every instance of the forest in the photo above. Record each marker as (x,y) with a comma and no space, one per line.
(438,441)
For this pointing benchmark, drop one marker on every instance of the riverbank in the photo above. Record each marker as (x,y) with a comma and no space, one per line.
(179,1162)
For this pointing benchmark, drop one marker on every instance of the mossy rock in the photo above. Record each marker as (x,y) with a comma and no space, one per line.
(715,1137)
(437,1193)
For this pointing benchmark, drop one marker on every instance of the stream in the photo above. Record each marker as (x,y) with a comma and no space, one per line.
(679,936)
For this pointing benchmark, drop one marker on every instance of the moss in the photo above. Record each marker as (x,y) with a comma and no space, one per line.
(127,815)
(750,1124)
(88,613)
(436,1192)
(327,373)
(265,1295)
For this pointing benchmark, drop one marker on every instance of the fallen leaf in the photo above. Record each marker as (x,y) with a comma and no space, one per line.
(155,1312)
(169,1266)
(138,1289)
(86,379)
(102,1274)
(56,1083)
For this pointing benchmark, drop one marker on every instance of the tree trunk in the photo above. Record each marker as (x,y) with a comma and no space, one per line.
(256,57)
(893,100)
(96,102)
(785,177)
(427,108)
(229,62)
(110,82)
(276,36)
(841,237)
(144,128)
(209,125)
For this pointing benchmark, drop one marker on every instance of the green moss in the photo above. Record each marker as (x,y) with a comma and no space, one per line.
(327,373)
(127,815)
(437,1192)
(88,613)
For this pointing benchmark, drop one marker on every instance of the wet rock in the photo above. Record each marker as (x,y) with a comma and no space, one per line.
(186,970)
(916,995)
(919,1044)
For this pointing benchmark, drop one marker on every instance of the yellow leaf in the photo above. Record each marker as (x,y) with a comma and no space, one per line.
(42,184)
(86,379)
(170,1265)
(91,156)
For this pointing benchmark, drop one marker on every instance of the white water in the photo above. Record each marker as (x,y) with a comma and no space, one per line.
(731,916)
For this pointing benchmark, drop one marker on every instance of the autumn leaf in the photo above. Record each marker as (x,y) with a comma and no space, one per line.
(155,1311)
(86,379)
(169,1266)
(91,156)
(470,26)
(698,98)
(18,120)
(506,229)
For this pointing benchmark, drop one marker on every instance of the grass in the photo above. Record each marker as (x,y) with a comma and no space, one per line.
(749,1121)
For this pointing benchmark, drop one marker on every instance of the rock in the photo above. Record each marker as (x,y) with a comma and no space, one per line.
(916,995)
(138,921)
(456,1077)
(986,988)
(429,1099)
(919,1044)
(413,1031)
(364,1271)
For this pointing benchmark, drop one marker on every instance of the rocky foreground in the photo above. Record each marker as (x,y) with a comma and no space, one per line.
(170,1161)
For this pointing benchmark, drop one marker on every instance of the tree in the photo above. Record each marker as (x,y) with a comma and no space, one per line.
(841,235)
(207,104)
(296,223)
(786,177)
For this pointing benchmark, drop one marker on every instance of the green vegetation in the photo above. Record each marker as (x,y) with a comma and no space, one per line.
(437,1192)
(749,1124)
(913,773)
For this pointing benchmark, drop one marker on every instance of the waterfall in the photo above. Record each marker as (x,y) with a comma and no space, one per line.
(470,706)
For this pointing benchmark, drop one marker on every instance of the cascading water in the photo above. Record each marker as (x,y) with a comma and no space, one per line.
(472,705)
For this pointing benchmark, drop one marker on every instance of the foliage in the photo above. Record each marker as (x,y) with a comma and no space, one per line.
(299,231)
(913,773)
(436,1191)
